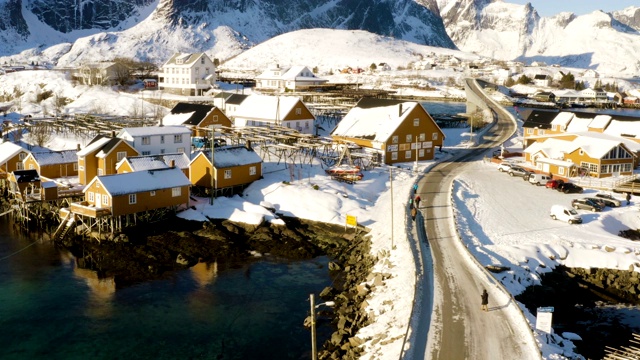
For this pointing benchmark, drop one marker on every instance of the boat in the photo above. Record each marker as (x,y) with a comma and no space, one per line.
(343,169)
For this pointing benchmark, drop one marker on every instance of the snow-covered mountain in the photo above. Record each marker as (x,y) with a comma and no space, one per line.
(608,42)
(68,32)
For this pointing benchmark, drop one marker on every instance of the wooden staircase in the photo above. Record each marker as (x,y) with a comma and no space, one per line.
(65,226)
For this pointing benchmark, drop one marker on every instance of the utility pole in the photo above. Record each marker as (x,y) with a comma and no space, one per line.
(314,351)
(391,181)
(213,164)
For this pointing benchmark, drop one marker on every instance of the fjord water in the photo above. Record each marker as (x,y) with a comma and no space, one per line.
(50,309)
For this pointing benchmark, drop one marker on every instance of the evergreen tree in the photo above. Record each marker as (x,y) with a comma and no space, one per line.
(524,79)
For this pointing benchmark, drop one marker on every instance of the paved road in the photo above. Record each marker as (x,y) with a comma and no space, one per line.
(458,327)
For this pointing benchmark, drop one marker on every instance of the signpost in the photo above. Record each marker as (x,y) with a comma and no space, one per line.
(351,221)
(544,318)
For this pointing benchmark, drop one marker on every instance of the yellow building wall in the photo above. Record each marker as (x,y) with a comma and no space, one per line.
(108,163)
(200,171)
(427,126)
(222,119)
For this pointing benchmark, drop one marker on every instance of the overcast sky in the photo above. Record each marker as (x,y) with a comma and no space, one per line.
(580,7)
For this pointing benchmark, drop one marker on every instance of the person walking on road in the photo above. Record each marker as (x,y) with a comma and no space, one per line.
(414,212)
(417,201)
(485,300)
(415,188)
(628,198)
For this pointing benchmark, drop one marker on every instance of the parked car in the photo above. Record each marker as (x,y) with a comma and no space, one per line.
(554,183)
(598,201)
(564,213)
(526,175)
(609,199)
(539,179)
(504,167)
(517,171)
(569,188)
(586,204)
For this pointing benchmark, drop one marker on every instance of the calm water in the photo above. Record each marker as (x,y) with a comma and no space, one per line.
(49,309)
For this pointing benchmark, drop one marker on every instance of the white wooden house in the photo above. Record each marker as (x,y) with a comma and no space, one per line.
(263,110)
(151,140)
(287,78)
(187,74)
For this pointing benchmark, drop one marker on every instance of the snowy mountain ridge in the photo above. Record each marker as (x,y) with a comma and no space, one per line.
(66,33)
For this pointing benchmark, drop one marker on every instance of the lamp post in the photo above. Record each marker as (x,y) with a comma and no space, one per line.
(391,186)
(312,302)
(213,164)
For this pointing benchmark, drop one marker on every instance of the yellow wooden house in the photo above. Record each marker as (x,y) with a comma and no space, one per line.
(197,117)
(53,164)
(24,184)
(399,131)
(235,168)
(139,191)
(100,157)
(150,162)
(11,157)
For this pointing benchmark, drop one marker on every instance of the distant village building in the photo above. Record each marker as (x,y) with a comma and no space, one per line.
(235,168)
(103,73)
(151,140)
(100,156)
(287,78)
(150,84)
(151,162)
(543,80)
(11,157)
(187,74)
(53,164)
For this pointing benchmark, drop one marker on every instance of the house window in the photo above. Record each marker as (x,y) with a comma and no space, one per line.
(161,139)
(121,155)
(215,118)
(152,193)
(581,152)
(105,200)
(529,131)
(90,196)
(434,136)
(132,198)
(416,122)
(306,124)
(176,191)
(180,150)
(22,156)
(540,132)
(422,137)
(161,151)
(394,139)
(100,172)
(75,166)
(146,140)
(252,170)
(31,167)
(177,138)
(604,169)
(19,166)
(394,155)
(227,174)
(561,170)
(145,153)
(421,153)
(409,138)
(407,154)
(298,111)
(201,61)
(626,167)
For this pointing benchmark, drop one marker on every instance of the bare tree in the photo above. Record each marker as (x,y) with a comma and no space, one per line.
(40,134)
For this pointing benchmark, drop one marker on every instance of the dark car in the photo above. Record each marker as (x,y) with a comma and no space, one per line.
(598,201)
(517,171)
(586,204)
(569,188)
(526,174)
(553,184)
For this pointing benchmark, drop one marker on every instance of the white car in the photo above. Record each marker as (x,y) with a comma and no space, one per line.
(566,214)
(504,167)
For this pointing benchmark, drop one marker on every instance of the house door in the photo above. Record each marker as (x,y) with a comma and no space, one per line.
(545,168)
(98,200)
(615,169)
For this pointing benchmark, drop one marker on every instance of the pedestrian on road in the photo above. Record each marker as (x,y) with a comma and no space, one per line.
(417,201)
(415,188)
(414,212)
(410,202)
(485,300)
(628,198)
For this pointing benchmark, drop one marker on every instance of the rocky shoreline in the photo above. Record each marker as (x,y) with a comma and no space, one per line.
(152,251)
(577,294)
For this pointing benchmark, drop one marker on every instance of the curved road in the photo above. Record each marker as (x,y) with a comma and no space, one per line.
(458,327)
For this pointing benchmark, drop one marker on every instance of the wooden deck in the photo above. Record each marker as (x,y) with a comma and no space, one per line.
(84,209)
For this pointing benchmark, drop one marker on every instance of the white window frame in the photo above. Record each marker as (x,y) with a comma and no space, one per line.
(227,174)
(145,140)
(152,193)
(177,138)
(105,200)
(394,139)
(434,136)
(394,155)
(416,122)
(176,191)
(252,170)
(407,154)
(121,155)
(409,138)
(132,199)
(91,196)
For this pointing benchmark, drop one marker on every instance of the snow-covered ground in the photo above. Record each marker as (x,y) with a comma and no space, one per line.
(503,220)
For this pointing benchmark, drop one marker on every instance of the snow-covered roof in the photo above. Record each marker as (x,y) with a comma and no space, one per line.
(139,181)
(563,119)
(184,59)
(154,130)
(55,157)
(624,128)
(94,146)
(600,121)
(9,150)
(162,161)
(266,107)
(552,148)
(579,124)
(176,119)
(595,144)
(374,119)
(229,156)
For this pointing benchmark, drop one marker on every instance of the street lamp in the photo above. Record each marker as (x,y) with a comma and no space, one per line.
(314,350)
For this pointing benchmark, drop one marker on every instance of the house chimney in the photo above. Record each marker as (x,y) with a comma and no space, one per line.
(172,163)
(113,133)
(247,144)
(78,147)
(399,110)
